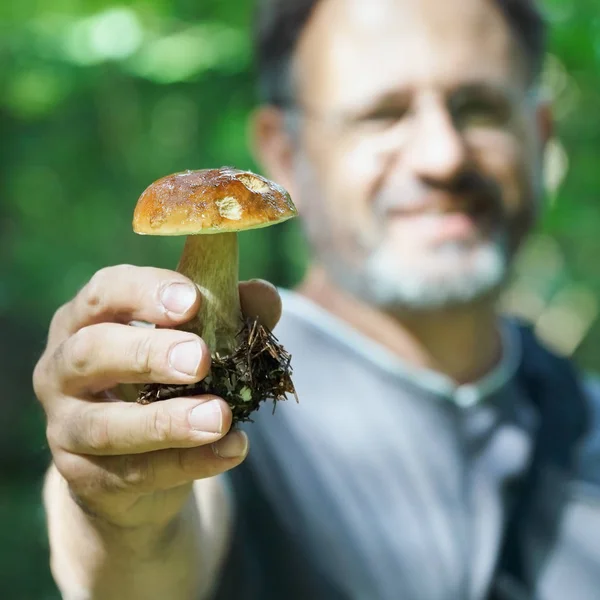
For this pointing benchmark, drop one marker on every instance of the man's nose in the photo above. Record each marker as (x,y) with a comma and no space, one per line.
(438,153)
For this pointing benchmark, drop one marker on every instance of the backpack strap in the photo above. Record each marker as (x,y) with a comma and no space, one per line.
(553,386)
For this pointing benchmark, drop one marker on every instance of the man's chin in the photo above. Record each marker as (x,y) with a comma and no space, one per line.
(436,284)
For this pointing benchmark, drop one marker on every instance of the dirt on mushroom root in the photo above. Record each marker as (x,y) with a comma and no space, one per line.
(257,371)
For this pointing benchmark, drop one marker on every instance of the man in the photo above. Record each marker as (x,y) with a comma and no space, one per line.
(437,452)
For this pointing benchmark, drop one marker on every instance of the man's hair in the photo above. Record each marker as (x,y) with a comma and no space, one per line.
(279,25)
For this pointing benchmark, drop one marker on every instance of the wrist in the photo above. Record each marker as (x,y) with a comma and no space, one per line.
(131,534)
(95,558)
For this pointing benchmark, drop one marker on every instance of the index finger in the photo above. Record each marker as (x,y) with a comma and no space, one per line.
(126,293)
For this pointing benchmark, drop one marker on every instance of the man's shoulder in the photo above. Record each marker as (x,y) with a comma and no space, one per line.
(572,397)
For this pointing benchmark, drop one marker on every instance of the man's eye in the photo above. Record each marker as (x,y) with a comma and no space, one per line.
(480,113)
(386,115)
(382,118)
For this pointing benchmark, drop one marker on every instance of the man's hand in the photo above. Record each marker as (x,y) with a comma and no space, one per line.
(131,465)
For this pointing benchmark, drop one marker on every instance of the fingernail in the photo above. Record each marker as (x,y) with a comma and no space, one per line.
(207,417)
(233,445)
(178,297)
(185,357)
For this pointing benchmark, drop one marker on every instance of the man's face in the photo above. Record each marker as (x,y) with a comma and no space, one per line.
(416,158)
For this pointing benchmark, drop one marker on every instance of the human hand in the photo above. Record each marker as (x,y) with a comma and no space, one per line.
(127,464)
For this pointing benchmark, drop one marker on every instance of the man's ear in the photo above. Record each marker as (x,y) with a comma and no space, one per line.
(272,145)
(545,120)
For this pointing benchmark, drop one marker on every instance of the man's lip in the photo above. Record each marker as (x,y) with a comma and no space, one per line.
(443,203)
(432,210)
(440,226)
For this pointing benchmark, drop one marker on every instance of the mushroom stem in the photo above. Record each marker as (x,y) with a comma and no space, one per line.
(211,262)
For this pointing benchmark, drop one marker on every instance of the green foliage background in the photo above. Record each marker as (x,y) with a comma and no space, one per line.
(97,100)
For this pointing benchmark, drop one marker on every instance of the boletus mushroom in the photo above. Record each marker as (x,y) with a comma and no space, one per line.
(210,207)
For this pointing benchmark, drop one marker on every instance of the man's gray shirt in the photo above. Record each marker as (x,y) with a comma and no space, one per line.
(392,483)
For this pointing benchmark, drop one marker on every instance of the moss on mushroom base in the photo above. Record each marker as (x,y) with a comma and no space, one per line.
(258,370)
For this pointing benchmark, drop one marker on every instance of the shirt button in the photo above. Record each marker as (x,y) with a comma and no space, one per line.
(466,396)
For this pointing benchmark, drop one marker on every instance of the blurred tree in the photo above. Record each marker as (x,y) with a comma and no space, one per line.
(99,99)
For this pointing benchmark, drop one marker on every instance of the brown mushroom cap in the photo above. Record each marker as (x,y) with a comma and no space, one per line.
(211,201)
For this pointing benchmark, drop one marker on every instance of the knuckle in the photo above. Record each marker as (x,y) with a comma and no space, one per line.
(73,469)
(161,426)
(94,294)
(137,471)
(126,269)
(80,353)
(39,379)
(142,355)
(54,434)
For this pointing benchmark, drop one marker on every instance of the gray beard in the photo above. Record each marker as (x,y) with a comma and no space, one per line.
(454,277)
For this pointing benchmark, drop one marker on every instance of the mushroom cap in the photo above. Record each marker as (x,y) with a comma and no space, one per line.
(211,201)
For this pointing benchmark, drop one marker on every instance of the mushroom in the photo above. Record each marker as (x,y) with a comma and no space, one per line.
(210,207)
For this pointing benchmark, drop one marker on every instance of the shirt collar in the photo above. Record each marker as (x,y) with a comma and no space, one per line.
(463,395)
